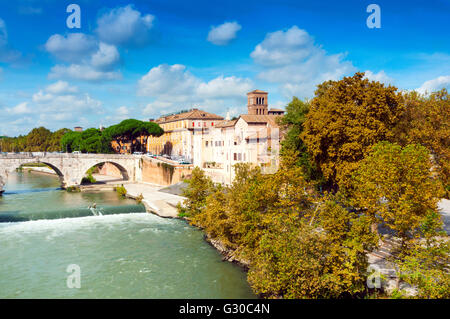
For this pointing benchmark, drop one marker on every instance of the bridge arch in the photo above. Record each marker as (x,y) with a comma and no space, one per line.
(126,174)
(14,165)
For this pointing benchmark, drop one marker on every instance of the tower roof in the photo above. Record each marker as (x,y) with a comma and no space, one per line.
(257,91)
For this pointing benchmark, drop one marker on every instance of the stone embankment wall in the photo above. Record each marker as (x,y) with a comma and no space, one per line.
(153,171)
(161,173)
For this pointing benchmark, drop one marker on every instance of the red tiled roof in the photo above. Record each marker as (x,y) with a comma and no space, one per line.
(194,114)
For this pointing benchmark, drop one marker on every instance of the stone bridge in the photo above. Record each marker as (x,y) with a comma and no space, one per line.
(71,168)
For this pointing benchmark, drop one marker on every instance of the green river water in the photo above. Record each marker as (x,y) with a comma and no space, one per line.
(121,251)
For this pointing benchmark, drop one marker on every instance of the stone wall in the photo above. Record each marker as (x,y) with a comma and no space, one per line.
(160,173)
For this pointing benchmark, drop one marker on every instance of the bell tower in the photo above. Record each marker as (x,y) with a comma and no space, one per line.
(257,102)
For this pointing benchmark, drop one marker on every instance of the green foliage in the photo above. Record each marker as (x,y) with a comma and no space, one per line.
(73,189)
(121,191)
(426,267)
(91,140)
(199,187)
(426,121)
(292,124)
(132,130)
(345,119)
(394,185)
(324,257)
(89,179)
(37,140)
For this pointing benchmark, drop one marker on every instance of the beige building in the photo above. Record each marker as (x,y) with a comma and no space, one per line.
(252,138)
(215,144)
(179,128)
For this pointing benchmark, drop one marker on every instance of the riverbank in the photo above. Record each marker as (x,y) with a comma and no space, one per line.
(160,203)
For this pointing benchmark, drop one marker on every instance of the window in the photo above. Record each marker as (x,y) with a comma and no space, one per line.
(206,143)
(235,156)
(193,124)
(212,123)
(240,156)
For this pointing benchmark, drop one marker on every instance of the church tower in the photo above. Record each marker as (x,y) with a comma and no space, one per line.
(257,102)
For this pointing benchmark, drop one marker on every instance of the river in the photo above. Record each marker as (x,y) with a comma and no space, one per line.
(121,251)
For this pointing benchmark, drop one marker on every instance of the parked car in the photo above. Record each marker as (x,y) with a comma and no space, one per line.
(138,153)
(76,152)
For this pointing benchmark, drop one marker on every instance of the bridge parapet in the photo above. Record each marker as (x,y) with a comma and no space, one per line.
(71,168)
(24,155)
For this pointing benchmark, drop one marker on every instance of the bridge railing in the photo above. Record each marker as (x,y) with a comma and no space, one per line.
(28,155)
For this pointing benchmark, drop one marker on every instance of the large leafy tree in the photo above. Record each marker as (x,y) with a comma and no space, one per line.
(38,139)
(131,130)
(91,140)
(394,185)
(426,121)
(345,119)
(292,126)
(320,257)
(54,143)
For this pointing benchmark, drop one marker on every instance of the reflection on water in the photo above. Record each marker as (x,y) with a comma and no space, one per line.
(126,254)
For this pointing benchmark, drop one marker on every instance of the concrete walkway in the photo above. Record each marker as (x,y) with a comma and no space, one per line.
(160,203)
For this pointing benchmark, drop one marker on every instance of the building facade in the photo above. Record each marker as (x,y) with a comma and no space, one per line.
(179,129)
(216,145)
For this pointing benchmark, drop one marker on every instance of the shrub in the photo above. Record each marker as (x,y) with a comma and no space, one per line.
(121,191)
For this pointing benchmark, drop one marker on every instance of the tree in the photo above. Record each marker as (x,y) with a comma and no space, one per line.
(199,187)
(38,139)
(426,121)
(345,119)
(54,142)
(91,140)
(320,257)
(395,187)
(292,123)
(128,131)
(71,141)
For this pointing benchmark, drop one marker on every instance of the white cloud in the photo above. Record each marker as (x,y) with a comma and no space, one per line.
(378,77)
(89,59)
(106,57)
(173,88)
(125,26)
(123,110)
(291,59)
(73,48)
(19,109)
(435,85)
(224,33)
(82,72)
(168,81)
(61,87)
(56,105)
(225,87)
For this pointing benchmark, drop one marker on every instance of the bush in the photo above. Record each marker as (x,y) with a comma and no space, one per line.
(73,189)
(88,179)
(121,191)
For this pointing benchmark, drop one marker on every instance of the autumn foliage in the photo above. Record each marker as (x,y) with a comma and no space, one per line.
(346,118)
(358,158)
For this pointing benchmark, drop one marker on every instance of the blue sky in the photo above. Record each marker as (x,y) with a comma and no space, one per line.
(142,59)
